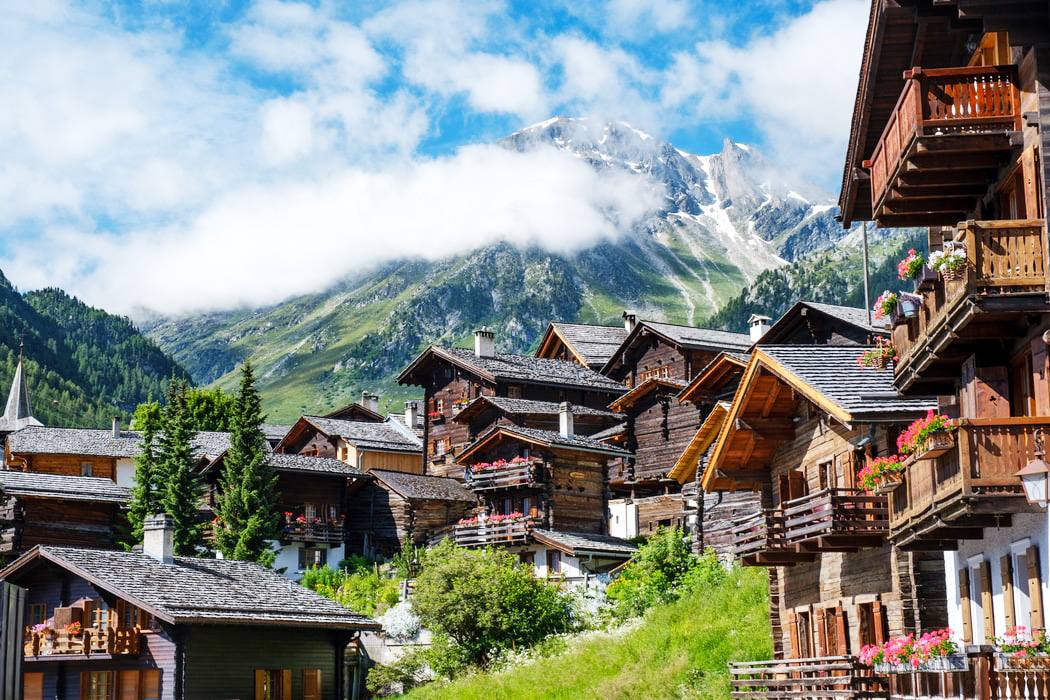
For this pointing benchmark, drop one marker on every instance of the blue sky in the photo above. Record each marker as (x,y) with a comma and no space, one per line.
(148,144)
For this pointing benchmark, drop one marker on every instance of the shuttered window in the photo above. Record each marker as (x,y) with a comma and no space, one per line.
(1006,572)
(96,685)
(138,685)
(964,605)
(986,600)
(871,624)
(312,684)
(273,684)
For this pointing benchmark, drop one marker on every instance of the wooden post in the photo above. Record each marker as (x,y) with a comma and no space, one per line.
(1006,572)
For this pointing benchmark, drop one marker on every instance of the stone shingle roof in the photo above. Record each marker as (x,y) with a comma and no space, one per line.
(833,372)
(101,443)
(317,465)
(367,435)
(549,437)
(535,370)
(422,487)
(521,406)
(618,429)
(596,344)
(691,337)
(204,590)
(68,488)
(274,432)
(849,314)
(578,543)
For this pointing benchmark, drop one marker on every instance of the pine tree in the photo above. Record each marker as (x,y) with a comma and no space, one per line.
(146,493)
(181,484)
(247,505)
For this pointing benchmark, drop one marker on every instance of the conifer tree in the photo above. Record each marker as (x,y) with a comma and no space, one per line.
(247,505)
(146,493)
(181,484)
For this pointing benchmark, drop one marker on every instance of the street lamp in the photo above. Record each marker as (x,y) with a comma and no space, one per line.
(1034,476)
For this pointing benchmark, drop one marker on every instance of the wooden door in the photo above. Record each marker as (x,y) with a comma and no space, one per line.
(1040,378)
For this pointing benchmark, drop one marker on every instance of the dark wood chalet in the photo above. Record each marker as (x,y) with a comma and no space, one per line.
(395,509)
(814,323)
(802,424)
(107,624)
(452,377)
(365,445)
(485,411)
(950,130)
(587,345)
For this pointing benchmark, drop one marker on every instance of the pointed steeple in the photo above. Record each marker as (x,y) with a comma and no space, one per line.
(17,413)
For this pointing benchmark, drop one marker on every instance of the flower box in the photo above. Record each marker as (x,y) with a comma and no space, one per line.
(888,482)
(926,280)
(948,662)
(1010,661)
(937,444)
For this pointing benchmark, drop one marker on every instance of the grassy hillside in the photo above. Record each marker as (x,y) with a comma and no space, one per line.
(678,651)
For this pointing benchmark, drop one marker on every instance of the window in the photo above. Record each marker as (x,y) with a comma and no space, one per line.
(526,505)
(871,622)
(136,617)
(138,685)
(87,469)
(312,684)
(438,447)
(271,684)
(100,614)
(827,474)
(96,685)
(527,558)
(312,557)
(36,613)
(513,392)
(553,562)
(657,373)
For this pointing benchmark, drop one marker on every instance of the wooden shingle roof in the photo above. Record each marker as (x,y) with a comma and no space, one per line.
(577,544)
(101,443)
(62,486)
(423,487)
(591,345)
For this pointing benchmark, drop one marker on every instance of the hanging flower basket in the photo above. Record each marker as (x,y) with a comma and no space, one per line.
(909,305)
(935,445)
(953,273)
(951,262)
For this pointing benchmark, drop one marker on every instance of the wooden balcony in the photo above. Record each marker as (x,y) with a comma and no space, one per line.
(495,533)
(108,641)
(824,677)
(322,532)
(759,540)
(1004,281)
(944,144)
(517,475)
(988,676)
(970,487)
(836,520)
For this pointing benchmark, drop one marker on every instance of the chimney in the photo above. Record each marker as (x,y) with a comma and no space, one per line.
(759,325)
(158,537)
(411,412)
(565,419)
(370,401)
(484,343)
(630,320)
(116,427)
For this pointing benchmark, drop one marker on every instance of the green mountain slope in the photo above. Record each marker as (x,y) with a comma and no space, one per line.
(83,365)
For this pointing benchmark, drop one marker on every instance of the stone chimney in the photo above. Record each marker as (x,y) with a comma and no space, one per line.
(630,320)
(158,537)
(116,427)
(565,426)
(370,401)
(759,325)
(411,414)
(484,343)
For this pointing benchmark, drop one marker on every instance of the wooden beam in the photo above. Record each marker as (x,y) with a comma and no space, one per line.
(771,400)
(768,429)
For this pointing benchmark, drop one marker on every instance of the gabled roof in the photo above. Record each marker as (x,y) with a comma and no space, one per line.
(17,413)
(848,316)
(577,544)
(61,486)
(101,443)
(190,590)
(274,433)
(617,431)
(763,409)
(544,438)
(591,345)
(683,337)
(305,464)
(646,387)
(714,379)
(684,470)
(356,412)
(504,367)
(522,407)
(364,435)
(419,487)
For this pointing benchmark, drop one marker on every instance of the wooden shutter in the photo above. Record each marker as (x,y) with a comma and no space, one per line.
(797,483)
(993,392)
(840,631)
(967,390)
(964,605)
(312,684)
(822,633)
(33,686)
(1006,572)
(286,684)
(116,619)
(1032,195)
(1035,587)
(150,684)
(878,616)
(1040,380)
(260,684)
(128,685)
(986,601)
(793,631)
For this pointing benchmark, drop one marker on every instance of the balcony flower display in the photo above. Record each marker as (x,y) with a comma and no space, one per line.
(911,266)
(73,629)
(434,414)
(886,303)
(915,436)
(490,518)
(907,653)
(878,355)
(879,472)
(498,464)
(1021,642)
(950,263)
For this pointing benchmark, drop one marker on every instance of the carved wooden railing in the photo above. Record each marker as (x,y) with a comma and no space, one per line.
(823,677)
(839,513)
(973,99)
(988,453)
(482,533)
(92,640)
(511,476)
(758,533)
(987,676)
(324,532)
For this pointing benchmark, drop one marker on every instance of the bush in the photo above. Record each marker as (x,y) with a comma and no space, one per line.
(484,600)
(367,592)
(416,668)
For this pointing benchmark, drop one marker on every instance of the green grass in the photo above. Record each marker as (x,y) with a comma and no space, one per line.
(678,651)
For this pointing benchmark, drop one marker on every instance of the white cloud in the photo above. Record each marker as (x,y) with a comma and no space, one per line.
(641,18)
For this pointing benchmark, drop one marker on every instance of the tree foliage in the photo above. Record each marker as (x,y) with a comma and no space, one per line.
(209,410)
(146,493)
(247,515)
(179,482)
(485,600)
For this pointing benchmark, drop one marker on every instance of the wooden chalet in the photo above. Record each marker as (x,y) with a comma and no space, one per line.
(803,422)
(365,445)
(153,626)
(395,509)
(950,130)
(366,410)
(814,323)
(452,377)
(485,411)
(587,345)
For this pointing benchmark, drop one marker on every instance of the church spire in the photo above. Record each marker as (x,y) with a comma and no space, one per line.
(17,413)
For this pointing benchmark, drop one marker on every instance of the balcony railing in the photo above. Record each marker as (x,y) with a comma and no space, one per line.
(942,102)
(92,640)
(836,520)
(518,475)
(322,531)
(1005,274)
(823,677)
(482,533)
(975,479)
(987,676)
(760,539)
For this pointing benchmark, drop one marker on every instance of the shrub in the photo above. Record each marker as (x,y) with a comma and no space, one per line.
(367,592)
